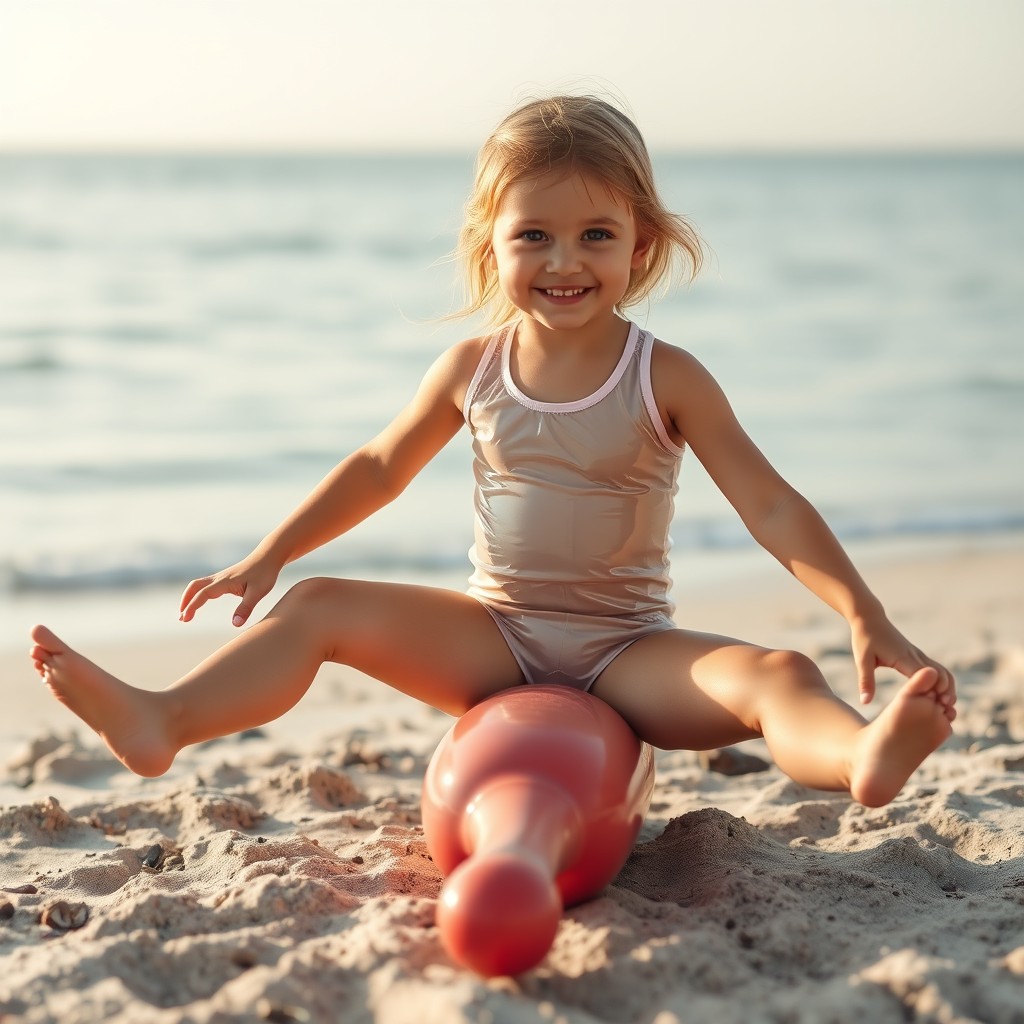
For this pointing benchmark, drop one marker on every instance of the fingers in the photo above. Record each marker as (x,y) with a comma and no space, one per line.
(190,592)
(244,610)
(191,600)
(882,646)
(256,588)
(944,685)
(197,593)
(865,663)
(866,682)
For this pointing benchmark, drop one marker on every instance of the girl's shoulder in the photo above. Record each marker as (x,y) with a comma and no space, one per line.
(464,356)
(680,380)
(454,370)
(671,360)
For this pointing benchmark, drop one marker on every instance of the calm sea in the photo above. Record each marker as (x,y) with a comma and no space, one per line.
(188,343)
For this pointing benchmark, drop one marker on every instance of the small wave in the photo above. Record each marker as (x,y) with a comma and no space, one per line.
(149,566)
(34,332)
(138,332)
(131,474)
(15,237)
(38,362)
(934,526)
(991,385)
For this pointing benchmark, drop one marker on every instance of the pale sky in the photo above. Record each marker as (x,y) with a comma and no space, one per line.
(438,74)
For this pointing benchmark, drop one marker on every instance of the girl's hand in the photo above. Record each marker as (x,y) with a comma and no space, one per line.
(250,579)
(878,644)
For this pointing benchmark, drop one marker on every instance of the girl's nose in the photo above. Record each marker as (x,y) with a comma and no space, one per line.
(563,258)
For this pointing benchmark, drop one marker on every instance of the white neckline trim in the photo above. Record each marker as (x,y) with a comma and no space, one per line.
(583,403)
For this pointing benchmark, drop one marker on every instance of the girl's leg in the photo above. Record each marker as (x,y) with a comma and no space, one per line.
(436,645)
(683,690)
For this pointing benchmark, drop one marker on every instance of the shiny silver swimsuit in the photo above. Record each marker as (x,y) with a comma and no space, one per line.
(573,506)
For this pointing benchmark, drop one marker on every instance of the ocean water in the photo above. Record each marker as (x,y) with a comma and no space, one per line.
(188,343)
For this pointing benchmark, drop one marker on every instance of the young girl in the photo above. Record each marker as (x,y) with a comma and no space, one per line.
(579,420)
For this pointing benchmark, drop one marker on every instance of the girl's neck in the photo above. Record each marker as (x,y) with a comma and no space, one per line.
(564,366)
(591,339)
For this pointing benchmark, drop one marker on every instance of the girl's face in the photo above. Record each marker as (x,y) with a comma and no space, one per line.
(563,248)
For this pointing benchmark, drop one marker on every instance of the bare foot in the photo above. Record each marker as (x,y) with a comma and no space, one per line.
(129,720)
(907,730)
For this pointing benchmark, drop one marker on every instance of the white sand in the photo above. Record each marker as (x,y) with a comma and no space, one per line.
(295,883)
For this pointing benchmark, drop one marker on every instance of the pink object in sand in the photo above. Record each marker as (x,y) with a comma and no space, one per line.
(531,802)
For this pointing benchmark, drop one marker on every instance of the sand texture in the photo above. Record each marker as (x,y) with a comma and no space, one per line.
(282,875)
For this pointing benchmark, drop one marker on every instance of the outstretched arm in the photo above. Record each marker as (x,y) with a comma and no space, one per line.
(357,487)
(779,518)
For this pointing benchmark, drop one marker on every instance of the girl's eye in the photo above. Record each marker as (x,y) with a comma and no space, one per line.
(595,235)
(533,235)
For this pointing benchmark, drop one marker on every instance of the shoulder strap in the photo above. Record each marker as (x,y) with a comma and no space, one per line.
(647,389)
(490,352)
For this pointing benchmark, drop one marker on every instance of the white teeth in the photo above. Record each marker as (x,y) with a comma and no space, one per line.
(561,293)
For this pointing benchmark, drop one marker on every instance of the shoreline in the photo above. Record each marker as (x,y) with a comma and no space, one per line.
(149,611)
(737,593)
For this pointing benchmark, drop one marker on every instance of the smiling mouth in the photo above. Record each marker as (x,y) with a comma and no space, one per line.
(564,293)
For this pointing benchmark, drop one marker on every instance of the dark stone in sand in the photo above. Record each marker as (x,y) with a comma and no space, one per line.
(730,761)
(153,858)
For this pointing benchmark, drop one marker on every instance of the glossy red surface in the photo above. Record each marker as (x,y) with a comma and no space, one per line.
(531,802)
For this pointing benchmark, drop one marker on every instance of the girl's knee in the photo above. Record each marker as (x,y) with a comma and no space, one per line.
(314,589)
(308,596)
(790,670)
(323,613)
(782,678)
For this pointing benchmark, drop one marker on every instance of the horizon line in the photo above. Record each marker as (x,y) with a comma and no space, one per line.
(184,149)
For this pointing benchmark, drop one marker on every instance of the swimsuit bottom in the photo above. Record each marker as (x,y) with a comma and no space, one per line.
(567,648)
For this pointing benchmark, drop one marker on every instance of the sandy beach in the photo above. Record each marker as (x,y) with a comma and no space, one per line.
(282,875)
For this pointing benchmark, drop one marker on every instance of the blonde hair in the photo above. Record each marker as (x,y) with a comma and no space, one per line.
(570,135)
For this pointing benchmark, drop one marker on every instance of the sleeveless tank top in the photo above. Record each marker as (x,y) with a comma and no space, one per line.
(573,500)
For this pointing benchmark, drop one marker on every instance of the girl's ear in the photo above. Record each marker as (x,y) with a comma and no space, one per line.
(640,251)
(492,263)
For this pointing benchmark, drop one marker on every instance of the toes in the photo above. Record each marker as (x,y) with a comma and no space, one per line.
(46,639)
(945,685)
(923,680)
(45,648)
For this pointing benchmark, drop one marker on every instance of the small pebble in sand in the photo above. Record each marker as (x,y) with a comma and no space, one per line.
(244,958)
(729,761)
(153,858)
(64,916)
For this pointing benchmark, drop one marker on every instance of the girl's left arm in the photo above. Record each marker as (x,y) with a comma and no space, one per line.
(779,518)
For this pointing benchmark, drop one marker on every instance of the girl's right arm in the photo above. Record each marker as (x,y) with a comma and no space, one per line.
(357,487)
